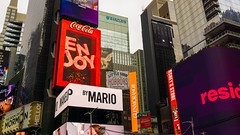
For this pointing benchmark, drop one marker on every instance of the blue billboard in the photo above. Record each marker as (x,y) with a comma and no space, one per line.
(85,11)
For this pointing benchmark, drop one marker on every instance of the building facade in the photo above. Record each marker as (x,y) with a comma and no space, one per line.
(12,42)
(11,15)
(114,31)
(158,44)
(139,62)
(198,17)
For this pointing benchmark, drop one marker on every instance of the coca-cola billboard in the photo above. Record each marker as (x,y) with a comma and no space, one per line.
(83,28)
(85,11)
(77,56)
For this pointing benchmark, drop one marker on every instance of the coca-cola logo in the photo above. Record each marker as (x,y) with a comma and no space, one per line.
(83,28)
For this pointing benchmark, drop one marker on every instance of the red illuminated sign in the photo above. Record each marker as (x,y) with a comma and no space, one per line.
(221,93)
(77,58)
(173,102)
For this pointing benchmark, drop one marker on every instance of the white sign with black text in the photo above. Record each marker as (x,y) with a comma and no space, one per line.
(77,95)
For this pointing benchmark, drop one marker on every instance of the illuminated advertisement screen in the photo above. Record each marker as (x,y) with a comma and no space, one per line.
(207,91)
(83,10)
(72,128)
(4,63)
(77,57)
(6,98)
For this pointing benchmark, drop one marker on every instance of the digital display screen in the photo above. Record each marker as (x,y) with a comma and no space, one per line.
(84,10)
(78,55)
(207,91)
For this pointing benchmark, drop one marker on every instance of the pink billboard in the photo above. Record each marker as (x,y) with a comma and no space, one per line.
(72,128)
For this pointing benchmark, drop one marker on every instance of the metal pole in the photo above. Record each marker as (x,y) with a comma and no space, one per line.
(91,123)
(192,126)
(90,113)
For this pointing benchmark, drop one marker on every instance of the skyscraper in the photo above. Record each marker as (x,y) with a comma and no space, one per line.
(10,16)
(12,43)
(114,31)
(159,40)
(139,62)
(199,17)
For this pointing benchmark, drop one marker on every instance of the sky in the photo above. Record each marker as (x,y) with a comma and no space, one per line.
(131,9)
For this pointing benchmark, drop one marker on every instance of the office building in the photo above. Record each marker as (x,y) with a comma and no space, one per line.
(139,63)
(161,44)
(114,32)
(12,42)
(203,22)
(10,38)
(10,16)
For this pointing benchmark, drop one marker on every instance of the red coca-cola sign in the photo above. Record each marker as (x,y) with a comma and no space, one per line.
(78,55)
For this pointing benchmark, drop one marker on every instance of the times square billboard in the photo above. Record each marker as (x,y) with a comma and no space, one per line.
(84,10)
(77,55)
(74,128)
(204,91)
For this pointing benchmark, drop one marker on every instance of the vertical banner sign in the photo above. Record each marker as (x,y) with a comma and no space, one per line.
(173,103)
(133,100)
(77,58)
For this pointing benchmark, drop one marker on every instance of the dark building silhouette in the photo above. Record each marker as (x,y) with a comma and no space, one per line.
(159,57)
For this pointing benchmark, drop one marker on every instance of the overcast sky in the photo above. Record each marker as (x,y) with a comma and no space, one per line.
(131,9)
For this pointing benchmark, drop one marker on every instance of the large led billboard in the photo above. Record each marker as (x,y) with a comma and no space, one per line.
(6,98)
(78,55)
(73,128)
(4,63)
(76,95)
(205,92)
(85,11)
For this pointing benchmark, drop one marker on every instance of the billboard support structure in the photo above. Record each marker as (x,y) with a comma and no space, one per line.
(192,125)
(90,113)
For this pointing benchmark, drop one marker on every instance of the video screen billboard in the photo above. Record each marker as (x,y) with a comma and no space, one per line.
(85,11)
(4,63)
(6,98)
(78,55)
(206,88)
(73,128)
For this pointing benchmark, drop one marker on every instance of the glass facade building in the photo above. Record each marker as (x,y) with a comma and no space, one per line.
(114,31)
(195,17)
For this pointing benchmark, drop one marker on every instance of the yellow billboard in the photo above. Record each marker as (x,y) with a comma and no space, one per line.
(133,100)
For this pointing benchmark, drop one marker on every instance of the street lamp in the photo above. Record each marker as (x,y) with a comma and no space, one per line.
(90,113)
(192,125)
